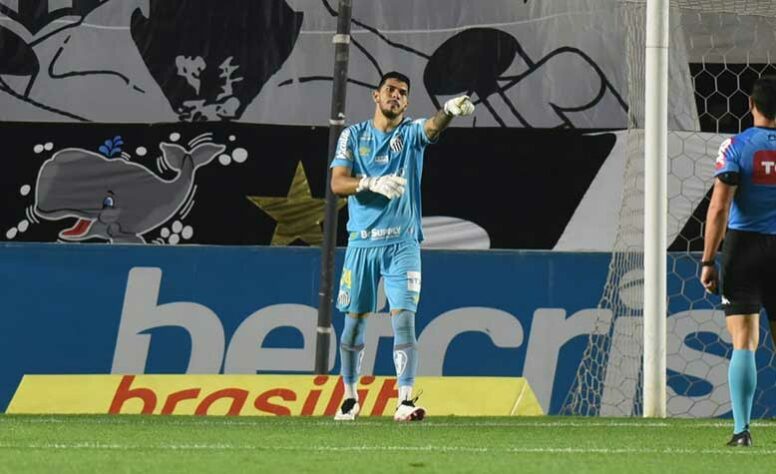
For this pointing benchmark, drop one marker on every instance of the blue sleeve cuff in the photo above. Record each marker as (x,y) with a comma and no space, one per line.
(340,162)
(727,169)
(424,138)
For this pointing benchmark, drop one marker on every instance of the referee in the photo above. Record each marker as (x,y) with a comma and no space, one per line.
(744,202)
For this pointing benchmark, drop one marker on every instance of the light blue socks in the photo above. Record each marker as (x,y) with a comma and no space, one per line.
(351,349)
(405,348)
(742,379)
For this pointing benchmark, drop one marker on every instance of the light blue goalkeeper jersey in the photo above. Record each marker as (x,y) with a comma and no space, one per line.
(373,219)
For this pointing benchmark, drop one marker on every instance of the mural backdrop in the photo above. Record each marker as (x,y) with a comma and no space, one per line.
(159,122)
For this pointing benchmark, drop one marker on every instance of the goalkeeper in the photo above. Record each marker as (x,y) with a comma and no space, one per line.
(378,164)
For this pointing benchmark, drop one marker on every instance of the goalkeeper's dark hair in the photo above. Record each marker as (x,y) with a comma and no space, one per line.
(764,96)
(394,75)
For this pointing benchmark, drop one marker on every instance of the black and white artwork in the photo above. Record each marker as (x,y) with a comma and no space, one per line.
(150,61)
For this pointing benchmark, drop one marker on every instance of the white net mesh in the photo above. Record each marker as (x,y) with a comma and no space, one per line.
(718,49)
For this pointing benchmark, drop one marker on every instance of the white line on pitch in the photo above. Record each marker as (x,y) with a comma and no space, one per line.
(325,421)
(377,448)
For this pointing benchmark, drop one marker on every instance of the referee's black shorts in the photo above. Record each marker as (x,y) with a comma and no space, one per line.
(749,273)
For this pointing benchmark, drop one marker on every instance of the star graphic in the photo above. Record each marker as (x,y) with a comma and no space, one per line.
(299,215)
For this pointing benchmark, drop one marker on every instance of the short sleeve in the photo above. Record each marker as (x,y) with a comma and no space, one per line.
(418,133)
(728,158)
(343,155)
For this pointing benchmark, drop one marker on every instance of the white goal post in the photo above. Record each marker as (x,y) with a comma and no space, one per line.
(655,207)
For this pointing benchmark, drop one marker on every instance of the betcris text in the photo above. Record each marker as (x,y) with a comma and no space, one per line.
(541,337)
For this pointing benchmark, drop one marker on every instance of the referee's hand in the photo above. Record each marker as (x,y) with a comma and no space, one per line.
(710,279)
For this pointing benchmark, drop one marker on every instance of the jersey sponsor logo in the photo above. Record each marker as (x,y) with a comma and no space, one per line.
(387,233)
(378,234)
(381,159)
(413,281)
(764,171)
(343,150)
(397,143)
(721,158)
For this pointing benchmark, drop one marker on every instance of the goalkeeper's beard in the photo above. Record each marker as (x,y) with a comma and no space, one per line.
(390,114)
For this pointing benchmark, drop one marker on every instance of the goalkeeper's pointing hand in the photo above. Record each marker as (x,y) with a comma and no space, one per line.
(459,107)
(390,186)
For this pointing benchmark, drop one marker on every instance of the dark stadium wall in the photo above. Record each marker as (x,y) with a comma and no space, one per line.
(521,186)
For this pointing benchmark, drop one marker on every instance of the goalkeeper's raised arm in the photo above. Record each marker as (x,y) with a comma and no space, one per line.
(458,107)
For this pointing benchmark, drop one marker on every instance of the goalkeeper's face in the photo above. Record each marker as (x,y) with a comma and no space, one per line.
(392,98)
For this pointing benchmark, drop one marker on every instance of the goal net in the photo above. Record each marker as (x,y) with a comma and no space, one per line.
(717,49)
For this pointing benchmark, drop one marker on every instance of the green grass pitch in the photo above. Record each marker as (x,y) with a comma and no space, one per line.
(149,444)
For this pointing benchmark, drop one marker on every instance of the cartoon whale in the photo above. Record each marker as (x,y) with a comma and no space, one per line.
(115,199)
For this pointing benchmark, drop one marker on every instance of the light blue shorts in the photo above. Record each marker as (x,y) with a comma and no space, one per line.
(399,266)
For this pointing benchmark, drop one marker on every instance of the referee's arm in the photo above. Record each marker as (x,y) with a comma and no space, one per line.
(716,224)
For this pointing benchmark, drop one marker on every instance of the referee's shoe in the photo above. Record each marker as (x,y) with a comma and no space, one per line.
(743,438)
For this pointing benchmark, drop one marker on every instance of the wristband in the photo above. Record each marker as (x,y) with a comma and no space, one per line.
(363,184)
(707,263)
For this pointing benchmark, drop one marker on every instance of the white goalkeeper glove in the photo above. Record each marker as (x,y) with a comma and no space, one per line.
(390,186)
(459,107)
